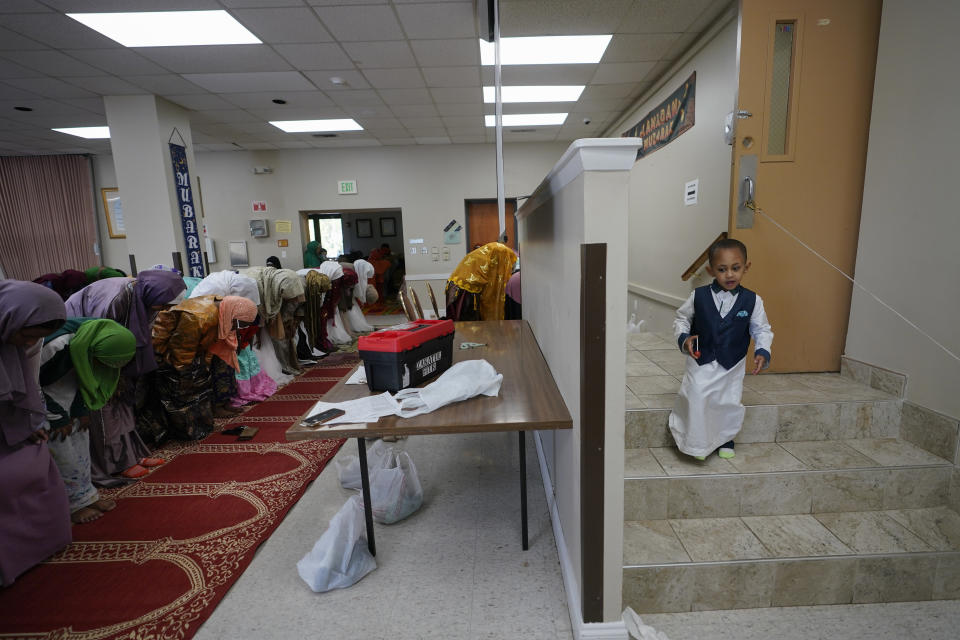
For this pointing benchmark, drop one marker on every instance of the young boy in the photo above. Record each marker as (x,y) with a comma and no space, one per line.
(714,327)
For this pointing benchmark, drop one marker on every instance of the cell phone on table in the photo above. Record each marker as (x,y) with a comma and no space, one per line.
(323,416)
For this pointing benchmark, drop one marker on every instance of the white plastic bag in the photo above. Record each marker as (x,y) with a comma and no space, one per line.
(395,490)
(348,468)
(636,629)
(340,557)
(462,381)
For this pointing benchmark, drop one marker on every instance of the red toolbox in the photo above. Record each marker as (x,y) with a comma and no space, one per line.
(407,354)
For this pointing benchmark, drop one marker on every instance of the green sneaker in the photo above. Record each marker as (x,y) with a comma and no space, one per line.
(726,451)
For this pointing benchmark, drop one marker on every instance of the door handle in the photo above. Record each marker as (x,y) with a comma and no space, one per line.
(747,191)
(743,113)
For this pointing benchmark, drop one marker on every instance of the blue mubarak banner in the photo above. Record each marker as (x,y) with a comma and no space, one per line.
(188,215)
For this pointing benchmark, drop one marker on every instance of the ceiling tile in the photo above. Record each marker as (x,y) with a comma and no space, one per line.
(542,74)
(299,113)
(117,61)
(327,3)
(426,132)
(54,63)
(22,6)
(463,138)
(166,84)
(41,107)
(713,12)
(49,87)
(12,70)
(258,146)
(394,78)
(364,22)
(552,18)
(380,55)
(220,116)
(359,97)
(601,104)
(293,144)
(9,92)
(457,95)
(422,123)
(462,122)
(94,105)
(216,59)
(90,6)
(200,101)
(406,96)
(13,41)
(618,72)
(221,147)
(327,55)
(380,126)
(370,111)
(352,79)
(446,53)
(461,109)
(639,47)
(276,25)
(397,141)
(263,99)
(413,110)
(532,107)
(452,19)
(254,81)
(680,46)
(107,85)
(433,139)
(452,76)
(57,30)
(606,91)
(662,16)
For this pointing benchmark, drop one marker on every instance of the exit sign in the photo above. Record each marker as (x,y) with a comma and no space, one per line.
(346,187)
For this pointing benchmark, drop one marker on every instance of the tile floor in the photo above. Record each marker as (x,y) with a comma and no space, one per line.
(453,570)
(655,368)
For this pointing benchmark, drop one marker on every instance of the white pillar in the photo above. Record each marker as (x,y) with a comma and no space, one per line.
(140,129)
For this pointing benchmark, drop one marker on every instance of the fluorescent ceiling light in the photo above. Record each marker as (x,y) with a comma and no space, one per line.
(546,50)
(527,119)
(86,132)
(307,126)
(566,93)
(168,28)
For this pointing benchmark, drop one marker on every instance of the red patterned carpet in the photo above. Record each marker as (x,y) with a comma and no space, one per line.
(157,565)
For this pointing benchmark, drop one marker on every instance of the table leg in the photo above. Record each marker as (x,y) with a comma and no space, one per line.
(523,488)
(367,510)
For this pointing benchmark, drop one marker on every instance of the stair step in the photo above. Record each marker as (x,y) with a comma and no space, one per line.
(837,420)
(827,558)
(784,478)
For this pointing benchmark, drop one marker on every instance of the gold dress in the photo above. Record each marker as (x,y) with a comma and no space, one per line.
(479,282)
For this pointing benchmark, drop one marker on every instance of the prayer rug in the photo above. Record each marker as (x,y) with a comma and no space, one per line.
(158,564)
(389,307)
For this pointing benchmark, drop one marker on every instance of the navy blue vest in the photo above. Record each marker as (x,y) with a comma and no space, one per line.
(725,339)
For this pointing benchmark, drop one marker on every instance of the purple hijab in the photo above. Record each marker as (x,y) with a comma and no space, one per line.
(22,304)
(151,287)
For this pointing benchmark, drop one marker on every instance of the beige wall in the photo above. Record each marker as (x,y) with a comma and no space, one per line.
(113,250)
(666,235)
(909,226)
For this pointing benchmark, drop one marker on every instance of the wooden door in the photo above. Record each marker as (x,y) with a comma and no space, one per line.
(483,223)
(805,89)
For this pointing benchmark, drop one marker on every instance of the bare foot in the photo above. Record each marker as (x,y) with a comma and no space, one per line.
(84,515)
(105,504)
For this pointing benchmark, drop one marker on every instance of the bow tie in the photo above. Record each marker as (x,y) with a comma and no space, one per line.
(716,288)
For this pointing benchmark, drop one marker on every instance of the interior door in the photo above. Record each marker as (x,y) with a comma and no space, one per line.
(483,223)
(805,89)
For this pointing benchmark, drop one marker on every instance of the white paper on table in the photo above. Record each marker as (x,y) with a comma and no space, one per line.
(358,377)
(361,410)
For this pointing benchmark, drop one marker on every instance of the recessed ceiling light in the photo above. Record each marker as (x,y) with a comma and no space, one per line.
(307,126)
(546,50)
(86,132)
(527,119)
(565,93)
(23,108)
(168,28)
(278,101)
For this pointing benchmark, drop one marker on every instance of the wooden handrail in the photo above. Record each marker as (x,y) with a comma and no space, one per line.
(692,269)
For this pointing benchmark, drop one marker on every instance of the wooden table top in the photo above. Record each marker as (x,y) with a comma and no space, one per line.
(528,399)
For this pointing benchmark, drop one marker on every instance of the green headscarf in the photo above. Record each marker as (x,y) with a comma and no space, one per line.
(99,349)
(99,273)
(310,257)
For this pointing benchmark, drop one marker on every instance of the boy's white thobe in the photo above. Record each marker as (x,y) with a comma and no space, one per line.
(709,412)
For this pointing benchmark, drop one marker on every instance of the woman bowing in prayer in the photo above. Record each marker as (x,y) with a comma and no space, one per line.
(116,449)
(281,307)
(34,512)
(79,372)
(477,287)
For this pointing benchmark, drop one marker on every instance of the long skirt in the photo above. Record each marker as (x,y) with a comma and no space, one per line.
(267,358)
(72,456)
(253,383)
(115,445)
(224,382)
(34,512)
(708,412)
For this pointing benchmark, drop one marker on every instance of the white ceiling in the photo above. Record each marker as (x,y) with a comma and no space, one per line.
(411,69)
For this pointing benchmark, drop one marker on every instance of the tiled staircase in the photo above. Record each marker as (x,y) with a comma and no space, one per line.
(824,502)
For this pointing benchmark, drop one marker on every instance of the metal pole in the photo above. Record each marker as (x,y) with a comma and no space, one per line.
(501,204)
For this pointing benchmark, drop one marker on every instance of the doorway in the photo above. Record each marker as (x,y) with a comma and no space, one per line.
(327,229)
(483,223)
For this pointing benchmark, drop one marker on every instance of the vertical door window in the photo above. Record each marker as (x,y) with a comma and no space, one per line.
(328,230)
(780,84)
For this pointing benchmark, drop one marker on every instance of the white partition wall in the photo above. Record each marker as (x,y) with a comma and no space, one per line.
(583,200)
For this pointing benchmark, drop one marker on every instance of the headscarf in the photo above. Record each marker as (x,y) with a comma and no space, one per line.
(331,269)
(99,273)
(364,272)
(98,350)
(227,283)
(275,286)
(231,308)
(310,257)
(66,283)
(150,288)
(485,271)
(274,261)
(22,304)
